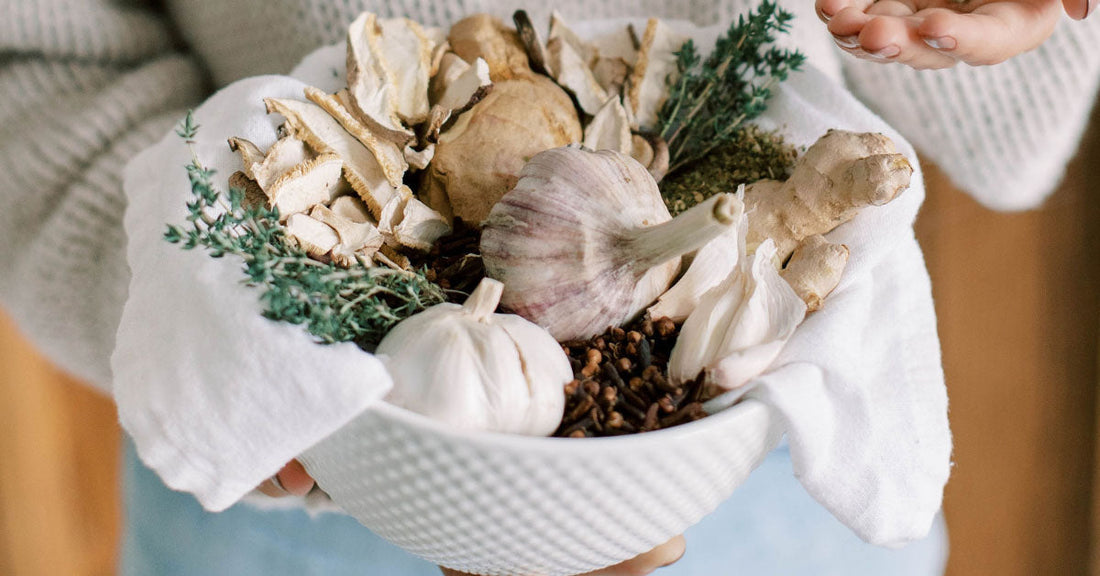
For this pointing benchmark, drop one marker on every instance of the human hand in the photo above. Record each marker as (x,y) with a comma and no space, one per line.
(940,33)
(292,480)
(659,557)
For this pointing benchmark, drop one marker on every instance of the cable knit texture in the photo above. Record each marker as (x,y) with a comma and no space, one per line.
(85,84)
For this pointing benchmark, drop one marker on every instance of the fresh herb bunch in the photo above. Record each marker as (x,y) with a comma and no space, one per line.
(358,304)
(713,97)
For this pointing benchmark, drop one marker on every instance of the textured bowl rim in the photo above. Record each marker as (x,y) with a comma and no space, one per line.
(679,433)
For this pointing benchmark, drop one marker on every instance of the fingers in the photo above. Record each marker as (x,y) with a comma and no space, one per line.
(990,34)
(661,556)
(827,9)
(292,480)
(1079,9)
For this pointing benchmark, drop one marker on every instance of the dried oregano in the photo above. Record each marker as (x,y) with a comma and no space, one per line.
(358,304)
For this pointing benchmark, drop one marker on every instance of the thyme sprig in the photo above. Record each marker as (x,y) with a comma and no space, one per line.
(712,98)
(358,304)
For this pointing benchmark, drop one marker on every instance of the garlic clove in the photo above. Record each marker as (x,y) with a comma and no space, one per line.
(712,264)
(584,240)
(739,326)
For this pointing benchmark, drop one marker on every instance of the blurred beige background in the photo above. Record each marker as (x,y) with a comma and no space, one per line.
(1019,310)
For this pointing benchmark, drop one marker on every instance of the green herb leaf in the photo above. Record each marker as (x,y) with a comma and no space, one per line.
(358,304)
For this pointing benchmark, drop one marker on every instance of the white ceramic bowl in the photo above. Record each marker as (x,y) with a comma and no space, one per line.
(504,505)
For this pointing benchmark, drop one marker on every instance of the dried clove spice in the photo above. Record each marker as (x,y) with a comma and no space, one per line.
(621,383)
(454,263)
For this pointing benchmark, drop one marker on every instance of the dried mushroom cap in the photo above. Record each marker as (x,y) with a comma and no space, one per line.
(655,67)
(282,157)
(406,56)
(388,154)
(251,155)
(311,182)
(573,74)
(371,92)
(315,237)
(351,208)
(254,196)
(486,37)
(641,150)
(609,129)
(314,126)
(559,29)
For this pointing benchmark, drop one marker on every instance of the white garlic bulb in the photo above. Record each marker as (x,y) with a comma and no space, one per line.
(470,368)
(740,325)
(584,240)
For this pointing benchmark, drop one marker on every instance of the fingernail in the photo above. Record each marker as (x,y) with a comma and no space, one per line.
(942,43)
(885,53)
(278,483)
(847,41)
(1092,7)
(826,16)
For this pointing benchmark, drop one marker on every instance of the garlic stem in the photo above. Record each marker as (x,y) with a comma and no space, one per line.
(685,233)
(484,300)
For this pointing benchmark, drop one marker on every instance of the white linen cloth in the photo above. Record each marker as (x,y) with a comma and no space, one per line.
(217,398)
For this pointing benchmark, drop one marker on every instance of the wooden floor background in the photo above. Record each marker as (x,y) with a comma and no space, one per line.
(1017,299)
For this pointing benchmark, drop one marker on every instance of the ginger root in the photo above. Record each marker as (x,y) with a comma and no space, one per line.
(815,269)
(841,173)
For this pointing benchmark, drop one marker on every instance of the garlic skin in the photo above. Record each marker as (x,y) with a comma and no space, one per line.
(472,369)
(739,326)
(584,240)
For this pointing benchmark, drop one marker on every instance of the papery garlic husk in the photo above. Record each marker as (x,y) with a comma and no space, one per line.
(739,326)
(584,240)
(472,369)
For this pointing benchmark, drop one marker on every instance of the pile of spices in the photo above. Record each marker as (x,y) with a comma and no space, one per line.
(454,263)
(753,155)
(620,383)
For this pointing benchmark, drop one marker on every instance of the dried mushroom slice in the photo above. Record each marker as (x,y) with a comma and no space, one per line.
(282,157)
(406,56)
(609,128)
(311,182)
(619,44)
(466,90)
(356,239)
(559,29)
(611,74)
(419,159)
(372,95)
(351,208)
(251,155)
(388,154)
(451,66)
(315,237)
(656,67)
(420,227)
(314,126)
(573,74)
(254,196)
(532,42)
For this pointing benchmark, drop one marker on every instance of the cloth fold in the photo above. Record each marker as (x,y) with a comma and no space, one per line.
(217,398)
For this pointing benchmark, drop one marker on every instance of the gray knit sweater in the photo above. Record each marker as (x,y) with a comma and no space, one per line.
(85,84)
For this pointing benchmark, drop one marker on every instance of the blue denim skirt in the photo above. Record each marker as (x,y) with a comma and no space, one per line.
(769,527)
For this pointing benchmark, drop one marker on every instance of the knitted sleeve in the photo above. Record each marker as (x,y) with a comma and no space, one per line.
(1002,133)
(84,86)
